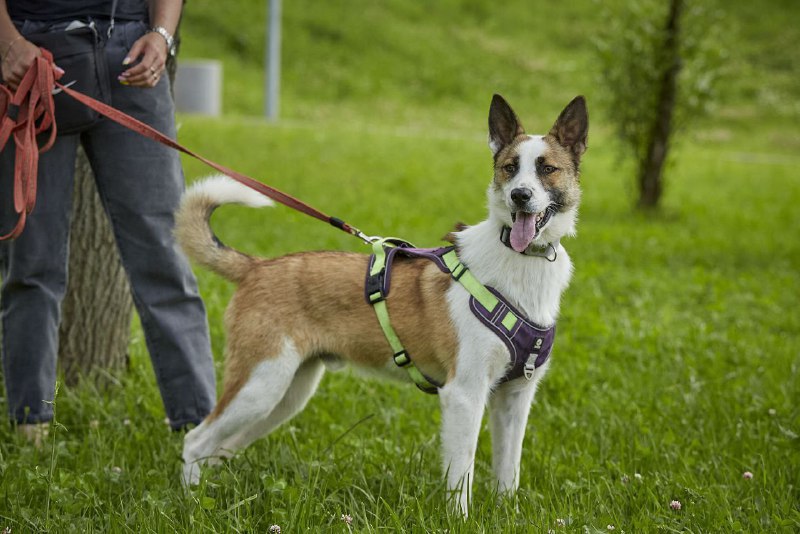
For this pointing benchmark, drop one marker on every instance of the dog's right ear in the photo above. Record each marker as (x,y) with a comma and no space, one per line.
(504,125)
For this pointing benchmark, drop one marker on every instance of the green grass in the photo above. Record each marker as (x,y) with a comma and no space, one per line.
(677,355)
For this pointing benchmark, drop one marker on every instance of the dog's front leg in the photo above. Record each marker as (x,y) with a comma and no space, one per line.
(508,412)
(462,403)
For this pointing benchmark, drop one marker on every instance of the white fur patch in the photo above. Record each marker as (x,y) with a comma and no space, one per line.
(529,150)
(224,190)
(533,285)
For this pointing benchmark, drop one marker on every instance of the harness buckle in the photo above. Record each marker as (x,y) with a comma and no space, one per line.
(374,287)
(430,389)
(401,358)
(458,271)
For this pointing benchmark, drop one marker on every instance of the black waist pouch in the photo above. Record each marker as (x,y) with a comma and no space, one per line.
(79,51)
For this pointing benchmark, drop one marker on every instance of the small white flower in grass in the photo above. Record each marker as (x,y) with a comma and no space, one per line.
(675,505)
(116,469)
(94,423)
(347,518)
(610,527)
(126,422)
(624,479)
(561,522)
(772,411)
(275,529)
(747,475)
(637,476)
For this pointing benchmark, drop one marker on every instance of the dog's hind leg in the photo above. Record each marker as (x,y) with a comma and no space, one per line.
(303,386)
(258,397)
(508,413)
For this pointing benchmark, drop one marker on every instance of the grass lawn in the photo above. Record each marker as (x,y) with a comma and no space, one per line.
(676,367)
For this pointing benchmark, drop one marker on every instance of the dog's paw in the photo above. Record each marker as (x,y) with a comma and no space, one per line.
(191,474)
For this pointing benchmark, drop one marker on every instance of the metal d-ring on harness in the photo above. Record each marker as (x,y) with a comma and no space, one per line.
(529,345)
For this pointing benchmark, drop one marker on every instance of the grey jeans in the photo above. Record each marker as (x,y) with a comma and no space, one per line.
(140,183)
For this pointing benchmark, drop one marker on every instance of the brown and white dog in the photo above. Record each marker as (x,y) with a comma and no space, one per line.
(293,316)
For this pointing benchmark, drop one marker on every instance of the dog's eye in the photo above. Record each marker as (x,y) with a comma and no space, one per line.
(510,168)
(549,169)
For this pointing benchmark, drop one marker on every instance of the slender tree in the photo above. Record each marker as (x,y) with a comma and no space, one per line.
(652,167)
(660,63)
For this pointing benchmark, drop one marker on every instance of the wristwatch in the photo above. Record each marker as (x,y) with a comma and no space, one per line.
(162,31)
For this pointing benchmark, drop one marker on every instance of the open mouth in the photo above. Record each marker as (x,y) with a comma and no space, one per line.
(527,226)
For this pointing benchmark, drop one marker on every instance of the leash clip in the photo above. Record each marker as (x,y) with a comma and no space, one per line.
(368,239)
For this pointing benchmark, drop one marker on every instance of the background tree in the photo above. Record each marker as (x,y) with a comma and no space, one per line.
(97,308)
(660,64)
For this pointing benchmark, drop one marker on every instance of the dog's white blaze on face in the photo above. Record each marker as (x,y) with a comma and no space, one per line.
(528,151)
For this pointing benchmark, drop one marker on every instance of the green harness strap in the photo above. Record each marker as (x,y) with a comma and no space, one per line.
(457,270)
(401,358)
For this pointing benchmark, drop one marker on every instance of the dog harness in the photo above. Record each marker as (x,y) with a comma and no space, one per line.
(529,345)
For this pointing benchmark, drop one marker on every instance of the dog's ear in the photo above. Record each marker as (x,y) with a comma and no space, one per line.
(572,126)
(504,125)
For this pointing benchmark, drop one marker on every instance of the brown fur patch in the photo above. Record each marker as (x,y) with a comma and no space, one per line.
(565,180)
(317,300)
(508,155)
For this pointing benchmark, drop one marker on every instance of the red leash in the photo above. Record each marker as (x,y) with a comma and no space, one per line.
(34,99)
(26,114)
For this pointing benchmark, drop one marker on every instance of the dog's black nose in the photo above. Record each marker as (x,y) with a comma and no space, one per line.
(521,195)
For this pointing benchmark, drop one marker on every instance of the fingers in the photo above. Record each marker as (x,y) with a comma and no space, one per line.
(148,57)
(17,61)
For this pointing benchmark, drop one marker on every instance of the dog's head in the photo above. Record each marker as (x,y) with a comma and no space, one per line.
(536,188)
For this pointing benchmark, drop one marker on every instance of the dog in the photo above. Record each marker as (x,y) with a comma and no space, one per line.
(294,316)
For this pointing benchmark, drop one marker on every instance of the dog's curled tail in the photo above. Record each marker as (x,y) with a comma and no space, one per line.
(194,234)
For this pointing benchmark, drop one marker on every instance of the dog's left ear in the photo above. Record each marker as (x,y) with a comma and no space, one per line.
(504,125)
(572,126)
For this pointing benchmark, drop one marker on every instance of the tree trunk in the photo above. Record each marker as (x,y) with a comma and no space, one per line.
(97,308)
(651,169)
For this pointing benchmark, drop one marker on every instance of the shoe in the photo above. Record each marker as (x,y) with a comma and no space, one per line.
(35,433)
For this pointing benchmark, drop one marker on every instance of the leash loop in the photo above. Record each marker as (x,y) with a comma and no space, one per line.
(26,115)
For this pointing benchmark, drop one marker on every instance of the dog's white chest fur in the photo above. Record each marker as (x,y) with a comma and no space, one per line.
(532,284)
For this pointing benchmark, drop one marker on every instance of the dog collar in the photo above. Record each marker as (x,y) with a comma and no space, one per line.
(548,251)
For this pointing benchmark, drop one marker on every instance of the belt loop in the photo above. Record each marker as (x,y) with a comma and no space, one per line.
(111,19)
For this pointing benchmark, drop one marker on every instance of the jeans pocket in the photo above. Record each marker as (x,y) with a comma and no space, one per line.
(132,32)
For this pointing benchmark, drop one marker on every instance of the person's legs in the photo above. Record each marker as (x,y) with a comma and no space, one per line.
(33,269)
(140,183)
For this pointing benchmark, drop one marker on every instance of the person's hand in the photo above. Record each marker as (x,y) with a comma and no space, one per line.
(18,58)
(149,56)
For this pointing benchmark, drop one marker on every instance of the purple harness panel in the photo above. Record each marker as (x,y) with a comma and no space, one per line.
(525,341)
(529,345)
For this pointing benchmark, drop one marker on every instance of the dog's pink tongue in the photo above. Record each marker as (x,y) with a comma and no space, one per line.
(523,231)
